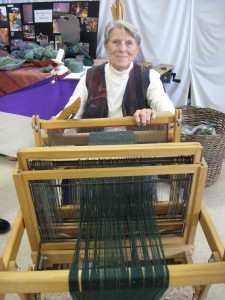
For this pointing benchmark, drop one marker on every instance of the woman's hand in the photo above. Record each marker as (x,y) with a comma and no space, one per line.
(144,116)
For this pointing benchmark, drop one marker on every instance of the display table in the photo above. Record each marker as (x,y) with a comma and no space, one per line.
(17,108)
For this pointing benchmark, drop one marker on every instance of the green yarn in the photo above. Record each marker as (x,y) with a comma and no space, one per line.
(38,53)
(75,49)
(74,65)
(114,212)
(47,69)
(88,62)
(49,53)
(118,222)
(35,52)
(18,54)
(29,55)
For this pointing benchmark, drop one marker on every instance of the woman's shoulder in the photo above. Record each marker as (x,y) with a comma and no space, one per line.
(96,68)
(154,73)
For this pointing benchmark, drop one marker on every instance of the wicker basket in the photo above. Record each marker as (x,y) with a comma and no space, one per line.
(213,145)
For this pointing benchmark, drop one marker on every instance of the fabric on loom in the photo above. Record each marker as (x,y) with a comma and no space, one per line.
(109,138)
(118,252)
(122,257)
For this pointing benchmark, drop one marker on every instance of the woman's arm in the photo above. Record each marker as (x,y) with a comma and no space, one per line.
(158,100)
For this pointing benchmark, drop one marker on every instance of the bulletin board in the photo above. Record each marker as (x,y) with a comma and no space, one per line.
(38,23)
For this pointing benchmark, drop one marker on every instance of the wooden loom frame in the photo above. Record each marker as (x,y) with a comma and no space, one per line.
(187,273)
(41,126)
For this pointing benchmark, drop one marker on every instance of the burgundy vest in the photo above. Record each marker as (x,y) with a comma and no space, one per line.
(134,97)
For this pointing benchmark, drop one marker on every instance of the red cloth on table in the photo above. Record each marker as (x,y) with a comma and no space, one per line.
(26,75)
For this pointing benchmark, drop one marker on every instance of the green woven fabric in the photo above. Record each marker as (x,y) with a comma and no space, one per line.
(122,257)
(111,138)
(118,222)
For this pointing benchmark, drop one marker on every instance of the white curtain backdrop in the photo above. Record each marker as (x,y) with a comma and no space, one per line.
(207,50)
(189,34)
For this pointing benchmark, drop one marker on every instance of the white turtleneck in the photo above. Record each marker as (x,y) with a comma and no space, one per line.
(116,82)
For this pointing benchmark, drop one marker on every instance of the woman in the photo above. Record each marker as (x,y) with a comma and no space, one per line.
(120,87)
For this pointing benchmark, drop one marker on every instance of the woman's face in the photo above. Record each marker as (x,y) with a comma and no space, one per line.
(121,49)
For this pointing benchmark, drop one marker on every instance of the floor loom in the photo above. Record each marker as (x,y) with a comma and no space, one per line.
(179,173)
(177,232)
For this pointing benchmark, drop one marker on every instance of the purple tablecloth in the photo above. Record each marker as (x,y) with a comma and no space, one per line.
(42,98)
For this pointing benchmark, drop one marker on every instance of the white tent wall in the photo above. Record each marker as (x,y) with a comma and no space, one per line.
(208,54)
(188,34)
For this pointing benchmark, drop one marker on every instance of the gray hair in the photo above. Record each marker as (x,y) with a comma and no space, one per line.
(130,28)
